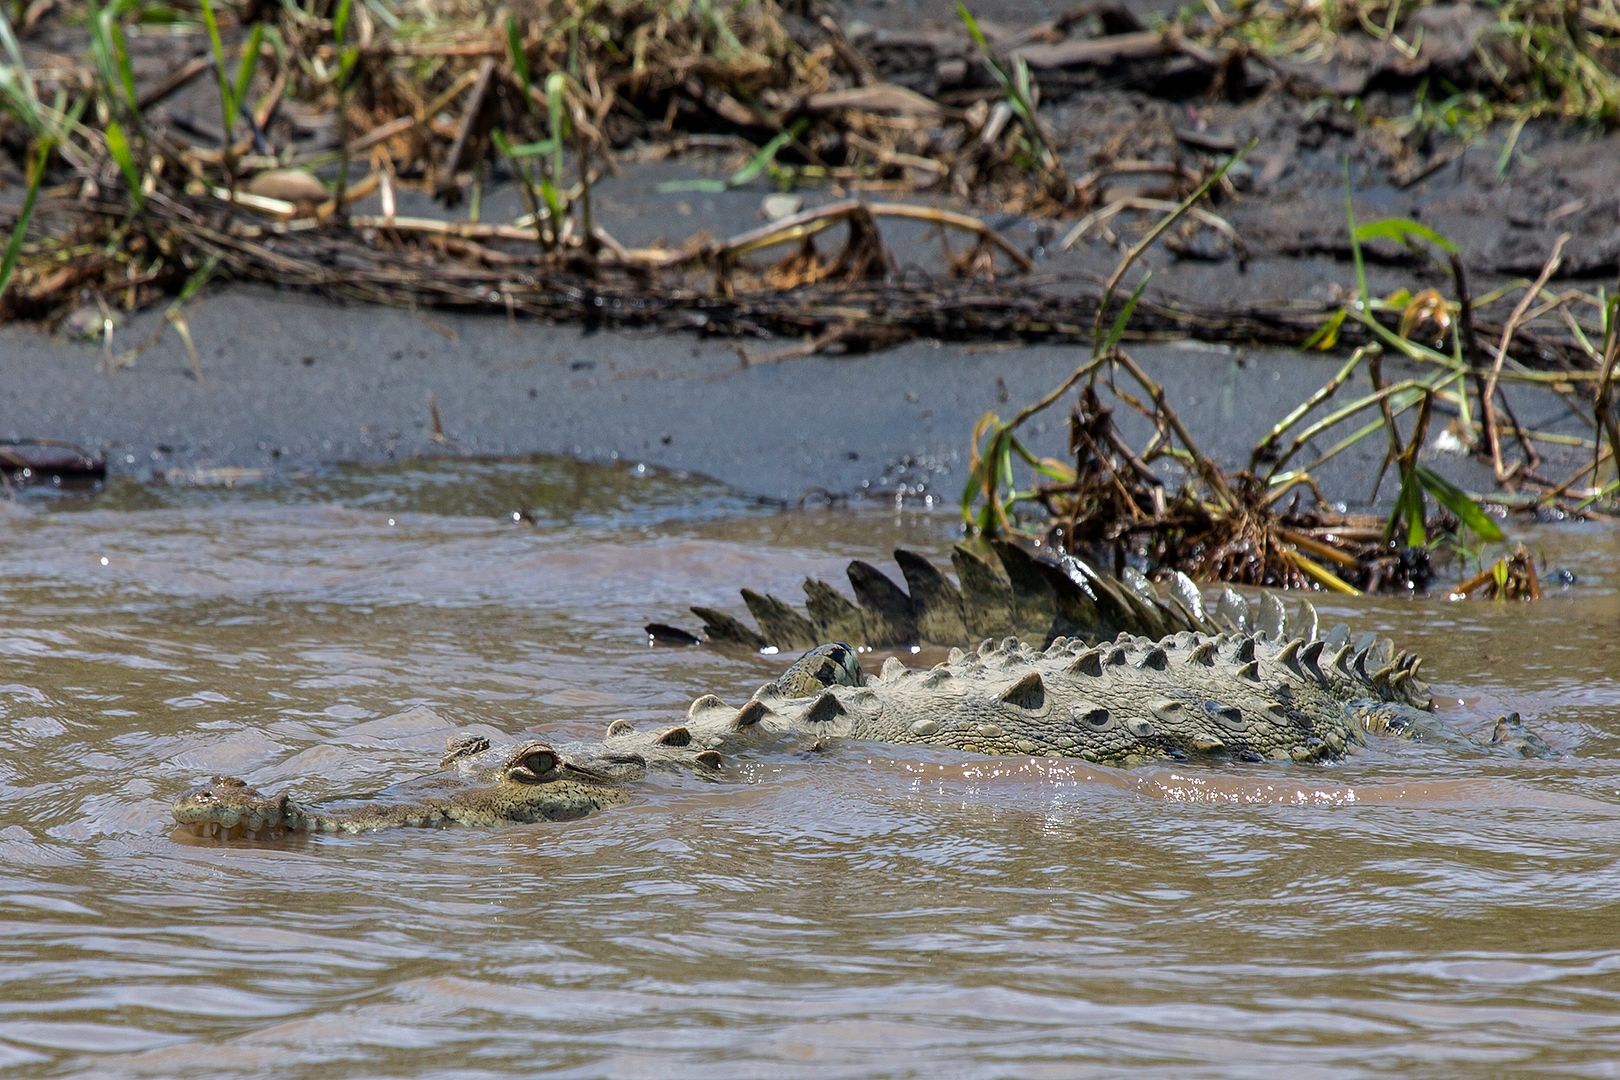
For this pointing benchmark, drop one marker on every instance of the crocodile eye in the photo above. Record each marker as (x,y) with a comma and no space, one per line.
(532,764)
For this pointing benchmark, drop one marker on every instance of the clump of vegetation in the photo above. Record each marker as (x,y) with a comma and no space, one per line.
(1506,60)
(1167,505)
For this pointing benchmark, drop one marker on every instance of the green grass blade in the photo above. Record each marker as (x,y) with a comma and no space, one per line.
(1404,230)
(221,77)
(1453,498)
(36,176)
(557,118)
(520,60)
(340,21)
(245,67)
(1326,336)
(1117,331)
(120,58)
(118,147)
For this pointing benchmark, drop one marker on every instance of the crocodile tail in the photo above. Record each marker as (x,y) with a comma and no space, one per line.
(1000,591)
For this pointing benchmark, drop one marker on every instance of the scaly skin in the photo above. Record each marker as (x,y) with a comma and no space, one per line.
(1249,697)
(1130,701)
(476,785)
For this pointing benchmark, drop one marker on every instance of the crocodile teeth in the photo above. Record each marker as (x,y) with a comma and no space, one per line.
(1087,663)
(1155,659)
(749,715)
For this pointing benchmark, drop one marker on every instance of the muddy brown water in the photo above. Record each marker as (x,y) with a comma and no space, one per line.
(873,912)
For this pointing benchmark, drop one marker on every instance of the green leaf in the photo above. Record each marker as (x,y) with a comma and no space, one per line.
(1326,336)
(762,159)
(196,281)
(520,59)
(557,118)
(340,21)
(1402,230)
(1117,331)
(1408,511)
(346,61)
(1453,498)
(553,198)
(126,72)
(219,65)
(118,147)
(532,149)
(245,67)
(36,176)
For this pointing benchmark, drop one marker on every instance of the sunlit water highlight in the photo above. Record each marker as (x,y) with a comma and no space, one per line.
(860,912)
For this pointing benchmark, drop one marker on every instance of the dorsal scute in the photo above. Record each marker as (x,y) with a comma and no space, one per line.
(824,709)
(703,704)
(1088,663)
(1029,692)
(750,714)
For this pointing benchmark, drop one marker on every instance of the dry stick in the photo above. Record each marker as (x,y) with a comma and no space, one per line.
(182,75)
(1600,454)
(1465,331)
(808,222)
(1206,469)
(1487,416)
(1603,407)
(1159,230)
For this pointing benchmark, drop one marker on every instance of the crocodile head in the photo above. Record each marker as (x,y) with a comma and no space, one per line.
(475,785)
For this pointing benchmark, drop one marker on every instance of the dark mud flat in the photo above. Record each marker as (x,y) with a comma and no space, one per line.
(293,382)
(290,380)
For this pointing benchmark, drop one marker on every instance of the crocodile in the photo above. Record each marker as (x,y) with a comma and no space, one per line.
(476,784)
(1008,591)
(1281,692)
